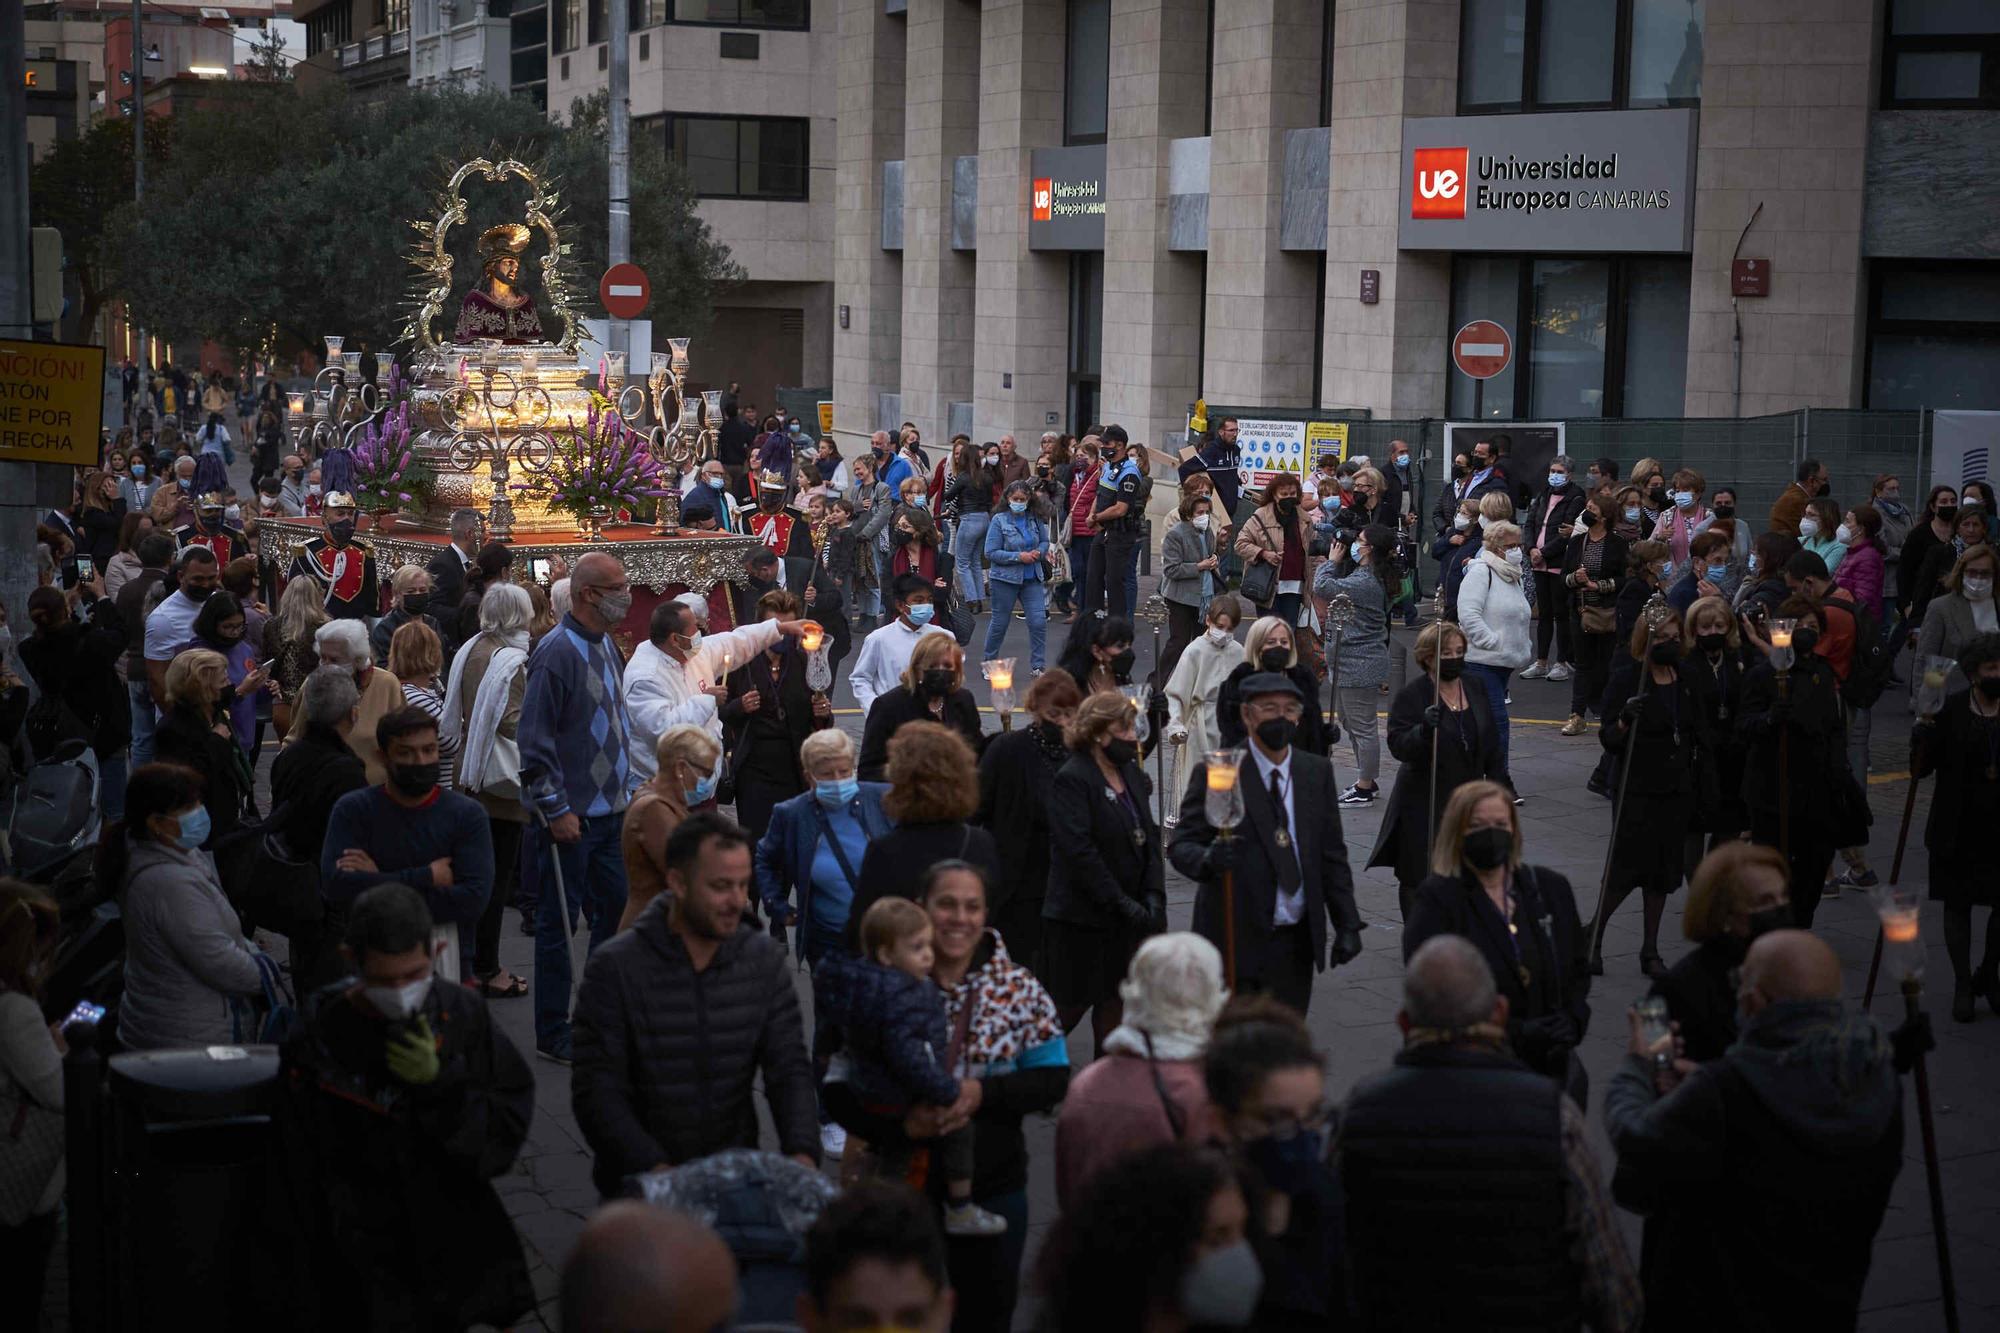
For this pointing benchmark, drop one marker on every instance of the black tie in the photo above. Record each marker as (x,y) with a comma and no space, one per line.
(1284,856)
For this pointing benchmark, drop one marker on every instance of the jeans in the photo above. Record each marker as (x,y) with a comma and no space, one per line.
(144,720)
(986,1274)
(112,770)
(1357,720)
(593,882)
(1080,545)
(968,547)
(1493,679)
(1033,595)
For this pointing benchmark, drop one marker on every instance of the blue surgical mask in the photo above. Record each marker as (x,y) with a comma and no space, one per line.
(1632,514)
(1330,502)
(1558,480)
(920,614)
(705,787)
(717,483)
(1403,461)
(139,471)
(1018,506)
(194,827)
(837,795)
(1684,499)
(922,502)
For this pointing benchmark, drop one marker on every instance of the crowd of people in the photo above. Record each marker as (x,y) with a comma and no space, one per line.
(456,739)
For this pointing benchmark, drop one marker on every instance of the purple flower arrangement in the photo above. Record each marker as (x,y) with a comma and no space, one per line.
(604,465)
(387,472)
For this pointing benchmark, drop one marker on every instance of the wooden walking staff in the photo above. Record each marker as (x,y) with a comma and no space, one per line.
(1224,810)
(1654,612)
(1932,673)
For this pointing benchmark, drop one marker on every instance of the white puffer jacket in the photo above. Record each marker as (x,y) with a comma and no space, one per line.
(1493,612)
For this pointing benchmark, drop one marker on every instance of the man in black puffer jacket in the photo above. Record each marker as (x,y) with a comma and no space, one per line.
(679,1014)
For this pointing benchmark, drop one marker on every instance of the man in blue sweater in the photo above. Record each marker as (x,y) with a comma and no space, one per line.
(412,831)
(577,776)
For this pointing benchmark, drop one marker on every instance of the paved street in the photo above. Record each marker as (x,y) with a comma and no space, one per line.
(1353,1012)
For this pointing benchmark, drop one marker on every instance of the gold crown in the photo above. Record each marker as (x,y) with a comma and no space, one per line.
(509,238)
(211,500)
(337,500)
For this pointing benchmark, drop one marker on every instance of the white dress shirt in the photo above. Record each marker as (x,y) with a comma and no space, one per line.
(1291,906)
(885,654)
(661,692)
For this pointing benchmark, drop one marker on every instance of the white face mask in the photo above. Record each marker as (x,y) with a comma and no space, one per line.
(1977,588)
(398,1001)
(1201,522)
(1514,556)
(1843,534)
(1219,636)
(1461,521)
(1808,528)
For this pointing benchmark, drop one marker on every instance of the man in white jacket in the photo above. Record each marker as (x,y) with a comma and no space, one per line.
(885,653)
(676,676)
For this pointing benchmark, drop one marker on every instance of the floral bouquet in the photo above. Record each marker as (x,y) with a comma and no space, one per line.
(386,473)
(600,468)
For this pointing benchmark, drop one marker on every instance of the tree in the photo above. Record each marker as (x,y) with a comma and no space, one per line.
(318,239)
(268,62)
(80,184)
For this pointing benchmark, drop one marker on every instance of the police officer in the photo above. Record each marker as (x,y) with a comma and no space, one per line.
(1119,517)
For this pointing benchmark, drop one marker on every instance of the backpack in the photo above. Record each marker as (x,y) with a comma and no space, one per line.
(1870,663)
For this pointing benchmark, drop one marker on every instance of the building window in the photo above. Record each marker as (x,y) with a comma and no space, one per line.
(1934,335)
(736,13)
(567,31)
(1594,336)
(1086,339)
(1087,72)
(329,28)
(742,157)
(528,54)
(1567,55)
(393,15)
(1941,53)
(598,25)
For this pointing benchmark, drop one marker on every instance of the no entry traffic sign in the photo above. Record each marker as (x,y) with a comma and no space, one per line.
(624,291)
(1481,349)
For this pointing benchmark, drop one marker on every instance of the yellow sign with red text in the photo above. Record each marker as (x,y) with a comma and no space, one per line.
(51,402)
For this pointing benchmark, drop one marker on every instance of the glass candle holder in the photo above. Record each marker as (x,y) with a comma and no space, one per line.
(1782,655)
(531,362)
(1224,804)
(614,367)
(295,403)
(679,351)
(334,342)
(1899,910)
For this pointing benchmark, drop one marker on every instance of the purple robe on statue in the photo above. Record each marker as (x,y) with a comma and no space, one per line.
(513,320)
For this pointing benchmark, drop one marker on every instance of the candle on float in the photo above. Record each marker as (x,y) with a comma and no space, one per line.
(1221,778)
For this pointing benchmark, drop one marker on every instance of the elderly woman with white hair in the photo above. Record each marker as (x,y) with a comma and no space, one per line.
(482,716)
(1493,612)
(1148,1087)
(344,643)
(813,846)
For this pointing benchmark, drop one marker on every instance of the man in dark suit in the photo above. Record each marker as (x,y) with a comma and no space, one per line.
(1289,856)
(805,578)
(447,567)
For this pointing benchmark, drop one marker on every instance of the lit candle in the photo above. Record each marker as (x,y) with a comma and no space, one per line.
(1221,778)
(1781,636)
(297,403)
(812,635)
(1899,926)
(333,346)
(351,362)
(531,362)
(1003,678)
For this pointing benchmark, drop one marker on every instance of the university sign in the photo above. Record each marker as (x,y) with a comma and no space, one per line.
(1587,180)
(1066,198)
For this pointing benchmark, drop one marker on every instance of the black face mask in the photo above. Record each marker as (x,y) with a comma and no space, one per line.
(1288,506)
(1121,663)
(1770,919)
(1451,668)
(1988,687)
(340,533)
(902,537)
(417,603)
(1947,512)
(1275,733)
(1120,753)
(1657,491)
(199,594)
(1460,470)
(1724,511)
(414,779)
(1711,643)
(1591,520)
(1665,654)
(937,682)
(1804,640)
(1487,848)
(768,501)
(1273,659)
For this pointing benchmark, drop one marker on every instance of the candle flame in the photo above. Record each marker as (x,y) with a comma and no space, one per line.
(1222,779)
(1899,927)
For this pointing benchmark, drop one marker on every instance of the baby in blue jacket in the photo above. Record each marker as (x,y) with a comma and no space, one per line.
(897,1047)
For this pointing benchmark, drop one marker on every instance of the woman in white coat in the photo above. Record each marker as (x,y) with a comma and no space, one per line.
(1493,612)
(1204,664)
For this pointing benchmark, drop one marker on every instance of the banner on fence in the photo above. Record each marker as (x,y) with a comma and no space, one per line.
(1964,446)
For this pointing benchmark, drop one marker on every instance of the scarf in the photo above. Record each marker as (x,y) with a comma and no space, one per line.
(1128,1040)
(1502,567)
(477,734)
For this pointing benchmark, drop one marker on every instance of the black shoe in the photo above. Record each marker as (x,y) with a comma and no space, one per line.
(557,1051)
(1988,984)
(1650,964)
(1359,795)
(1962,1008)
(1598,786)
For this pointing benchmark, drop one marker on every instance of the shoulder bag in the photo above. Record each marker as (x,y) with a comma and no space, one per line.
(1260,580)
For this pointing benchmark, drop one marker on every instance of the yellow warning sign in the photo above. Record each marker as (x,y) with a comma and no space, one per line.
(51,402)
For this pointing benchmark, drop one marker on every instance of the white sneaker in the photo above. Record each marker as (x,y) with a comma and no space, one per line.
(1560,671)
(969,1219)
(832,1140)
(1535,672)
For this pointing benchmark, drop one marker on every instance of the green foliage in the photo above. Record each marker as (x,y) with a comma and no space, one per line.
(82,182)
(308,233)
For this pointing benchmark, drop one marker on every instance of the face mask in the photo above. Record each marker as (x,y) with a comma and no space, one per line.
(1843,534)
(1804,639)
(1219,637)
(794,431)
(1402,460)
(920,613)
(1121,663)
(1770,919)
(1120,752)
(1751,564)
(1947,512)
(1808,528)
(1591,520)
(1221,1289)
(1451,668)
(1200,522)
(937,682)
(921,502)
(837,794)
(414,779)
(139,471)
(341,532)
(1976,589)
(1330,502)
(1657,491)
(991,460)
(1711,643)
(1276,732)
(186,484)
(1724,511)
(398,1002)
(199,594)
(1460,522)
(705,786)
(193,830)
(1488,848)
(1274,659)
(1018,506)
(417,603)
(1632,513)
(233,515)
(1684,499)
(313,489)
(1289,1165)
(614,606)
(1558,480)
(1971,502)
(903,536)
(694,643)
(1664,654)
(1513,556)
(1665,571)
(1460,470)
(716,483)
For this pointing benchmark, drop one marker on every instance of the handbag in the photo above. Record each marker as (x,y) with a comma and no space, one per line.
(1260,580)
(34,1137)
(1598,619)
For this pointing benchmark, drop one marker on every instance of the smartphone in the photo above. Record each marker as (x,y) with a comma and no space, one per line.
(86,569)
(265,666)
(539,570)
(85,1012)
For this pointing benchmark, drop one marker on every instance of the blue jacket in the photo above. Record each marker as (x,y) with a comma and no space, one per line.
(1009,535)
(784,857)
(893,1031)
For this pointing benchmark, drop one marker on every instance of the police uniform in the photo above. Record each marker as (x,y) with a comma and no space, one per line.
(345,575)
(1118,539)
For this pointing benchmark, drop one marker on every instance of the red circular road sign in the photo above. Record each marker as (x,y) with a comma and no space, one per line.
(1481,349)
(624,291)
